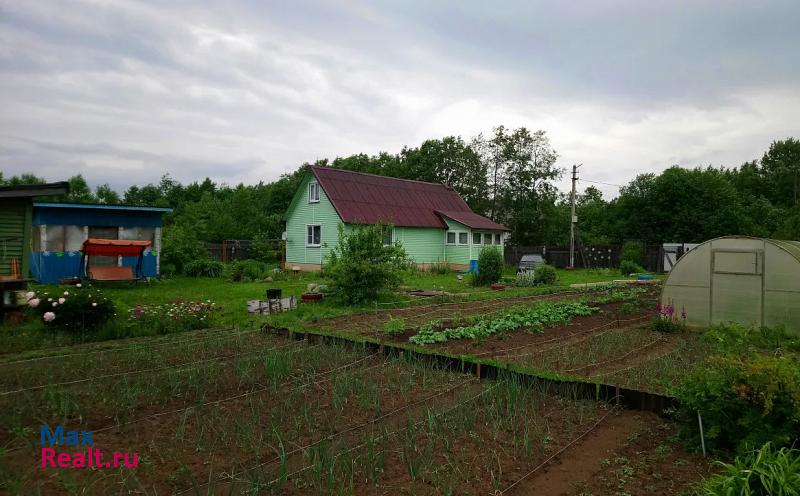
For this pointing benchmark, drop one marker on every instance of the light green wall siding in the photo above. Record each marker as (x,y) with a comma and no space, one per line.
(422,244)
(300,214)
(462,254)
(458,253)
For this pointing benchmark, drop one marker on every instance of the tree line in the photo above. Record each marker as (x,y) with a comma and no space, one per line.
(508,175)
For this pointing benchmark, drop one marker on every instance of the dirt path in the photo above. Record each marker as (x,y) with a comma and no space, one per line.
(628,453)
(582,460)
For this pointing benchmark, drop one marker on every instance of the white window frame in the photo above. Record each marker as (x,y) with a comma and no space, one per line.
(447,238)
(391,238)
(489,237)
(312,245)
(466,234)
(315,186)
(480,238)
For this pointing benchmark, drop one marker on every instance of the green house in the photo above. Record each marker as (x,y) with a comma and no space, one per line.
(433,224)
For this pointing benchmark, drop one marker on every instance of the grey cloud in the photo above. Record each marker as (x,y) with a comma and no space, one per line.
(244,91)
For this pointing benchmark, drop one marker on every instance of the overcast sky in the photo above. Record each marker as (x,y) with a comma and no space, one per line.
(124,91)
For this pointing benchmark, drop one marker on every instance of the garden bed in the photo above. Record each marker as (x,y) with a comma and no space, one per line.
(242,411)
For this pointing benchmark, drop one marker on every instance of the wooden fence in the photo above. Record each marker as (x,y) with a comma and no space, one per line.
(231,250)
(585,256)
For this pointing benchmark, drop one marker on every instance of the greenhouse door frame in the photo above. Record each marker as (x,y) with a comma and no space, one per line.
(735,280)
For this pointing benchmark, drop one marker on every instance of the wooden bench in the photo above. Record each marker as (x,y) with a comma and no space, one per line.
(111,274)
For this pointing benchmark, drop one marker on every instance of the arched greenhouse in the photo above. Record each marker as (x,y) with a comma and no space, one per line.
(737,279)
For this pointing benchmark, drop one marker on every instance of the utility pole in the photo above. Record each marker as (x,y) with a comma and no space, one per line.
(573,219)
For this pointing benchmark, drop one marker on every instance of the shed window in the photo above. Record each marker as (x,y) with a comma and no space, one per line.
(498,239)
(313,235)
(388,237)
(313,192)
(451,238)
(476,238)
(63,238)
(463,238)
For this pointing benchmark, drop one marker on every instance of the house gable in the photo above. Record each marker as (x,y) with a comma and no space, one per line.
(301,214)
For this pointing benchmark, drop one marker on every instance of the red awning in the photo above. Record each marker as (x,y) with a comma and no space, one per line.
(114,247)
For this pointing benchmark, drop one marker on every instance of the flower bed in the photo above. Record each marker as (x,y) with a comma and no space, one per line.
(174,317)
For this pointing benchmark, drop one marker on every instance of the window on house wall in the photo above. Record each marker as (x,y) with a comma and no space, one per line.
(313,192)
(388,237)
(451,238)
(487,238)
(498,239)
(463,238)
(476,238)
(313,235)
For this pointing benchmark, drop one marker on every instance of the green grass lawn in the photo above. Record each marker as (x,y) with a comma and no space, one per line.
(232,298)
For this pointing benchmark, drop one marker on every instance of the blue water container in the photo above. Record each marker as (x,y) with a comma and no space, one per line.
(473,266)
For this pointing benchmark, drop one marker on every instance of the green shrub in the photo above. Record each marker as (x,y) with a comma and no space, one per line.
(394,326)
(632,251)
(526,279)
(765,471)
(76,308)
(247,270)
(361,267)
(490,266)
(545,275)
(204,268)
(739,339)
(744,402)
(265,249)
(627,267)
(179,247)
(439,268)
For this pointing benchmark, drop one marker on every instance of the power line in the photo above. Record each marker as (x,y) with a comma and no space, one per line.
(601,182)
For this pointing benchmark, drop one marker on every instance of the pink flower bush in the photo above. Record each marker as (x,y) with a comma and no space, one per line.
(79,309)
(29,295)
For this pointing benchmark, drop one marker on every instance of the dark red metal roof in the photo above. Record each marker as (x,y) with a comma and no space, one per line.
(361,198)
(473,220)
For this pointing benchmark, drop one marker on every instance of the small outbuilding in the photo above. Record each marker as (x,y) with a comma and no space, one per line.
(60,230)
(737,279)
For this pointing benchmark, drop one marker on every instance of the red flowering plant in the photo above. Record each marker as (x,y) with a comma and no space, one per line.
(77,308)
(667,319)
(179,315)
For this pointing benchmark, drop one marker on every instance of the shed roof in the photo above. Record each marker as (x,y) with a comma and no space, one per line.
(30,190)
(101,206)
(472,220)
(361,198)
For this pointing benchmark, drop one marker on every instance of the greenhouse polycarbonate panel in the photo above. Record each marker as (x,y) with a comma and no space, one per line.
(738,262)
(736,298)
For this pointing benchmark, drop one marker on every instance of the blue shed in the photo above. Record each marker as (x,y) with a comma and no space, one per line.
(59,230)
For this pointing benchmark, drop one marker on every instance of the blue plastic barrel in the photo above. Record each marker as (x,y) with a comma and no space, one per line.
(473,266)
